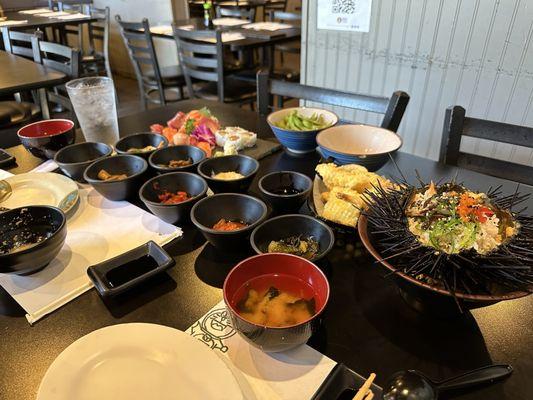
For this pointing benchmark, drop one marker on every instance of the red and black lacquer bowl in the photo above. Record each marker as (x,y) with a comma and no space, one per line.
(45,138)
(273,339)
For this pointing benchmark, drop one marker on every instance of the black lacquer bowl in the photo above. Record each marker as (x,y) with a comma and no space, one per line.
(274,339)
(286,191)
(133,166)
(74,159)
(30,237)
(244,165)
(160,158)
(286,226)
(231,207)
(194,185)
(45,138)
(140,141)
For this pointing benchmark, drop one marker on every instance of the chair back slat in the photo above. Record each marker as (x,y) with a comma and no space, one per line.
(19,43)
(284,16)
(236,12)
(457,125)
(199,59)
(393,108)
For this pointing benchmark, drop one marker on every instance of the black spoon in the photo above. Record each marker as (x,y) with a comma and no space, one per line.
(413,385)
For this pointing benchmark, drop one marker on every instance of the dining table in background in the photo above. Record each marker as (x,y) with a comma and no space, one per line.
(35,21)
(18,74)
(367,325)
(263,40)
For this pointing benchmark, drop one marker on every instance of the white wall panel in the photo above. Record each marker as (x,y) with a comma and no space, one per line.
(475,53)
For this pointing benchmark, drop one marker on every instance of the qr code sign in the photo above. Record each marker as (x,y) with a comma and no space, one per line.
(343,7)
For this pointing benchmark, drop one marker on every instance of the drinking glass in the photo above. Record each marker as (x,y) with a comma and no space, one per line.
(94,103)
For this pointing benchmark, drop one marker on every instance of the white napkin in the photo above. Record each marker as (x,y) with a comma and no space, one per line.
(98,230)
(229,21)
(52,14)
(267,26)
(35,11)
(292,375)
(47,166)
(12,22)
(5,174)
(161,30)
(73,16)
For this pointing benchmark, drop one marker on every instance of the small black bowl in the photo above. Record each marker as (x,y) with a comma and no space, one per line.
(139,141)
(194,185)
(284,226)
(45,138)
(74,159)
(244,165)
(162,157)
(133,166)
(272,185)
(26,225)
(233,207)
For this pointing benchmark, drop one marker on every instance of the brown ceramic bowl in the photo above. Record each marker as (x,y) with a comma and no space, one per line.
(425,297)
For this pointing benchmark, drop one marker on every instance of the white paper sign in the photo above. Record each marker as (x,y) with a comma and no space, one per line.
(344,15)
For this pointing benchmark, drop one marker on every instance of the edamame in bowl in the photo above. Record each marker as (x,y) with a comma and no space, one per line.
(296,127)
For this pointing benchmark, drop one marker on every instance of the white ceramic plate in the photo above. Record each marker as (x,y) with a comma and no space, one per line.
(39,188)
(138,362)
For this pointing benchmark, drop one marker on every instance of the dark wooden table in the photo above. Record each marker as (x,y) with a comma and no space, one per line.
(36,22)
(367,324)
(18,74)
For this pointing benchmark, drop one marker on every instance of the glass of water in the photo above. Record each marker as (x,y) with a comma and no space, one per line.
(94,103)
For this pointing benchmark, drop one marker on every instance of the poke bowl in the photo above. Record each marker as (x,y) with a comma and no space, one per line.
(300,136)
(292,284)
(171,196)
(365,145)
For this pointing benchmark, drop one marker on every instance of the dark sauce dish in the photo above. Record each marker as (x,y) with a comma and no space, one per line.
(160,159)
(286,191)
(45,138)
(140,141)
(194,185)
(133,166)
(276,339)
(30,237)
(285,226)
(130,269)
(231,207)
(244,165)
(74,159)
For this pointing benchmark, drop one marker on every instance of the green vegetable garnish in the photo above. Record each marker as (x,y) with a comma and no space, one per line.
(297,122)
(189,126)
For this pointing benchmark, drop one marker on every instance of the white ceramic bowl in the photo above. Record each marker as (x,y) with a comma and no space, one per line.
(365,145)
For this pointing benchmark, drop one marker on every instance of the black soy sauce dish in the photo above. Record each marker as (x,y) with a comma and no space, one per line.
(194,185)
(130,269)
(140,141)
(74,159)
(293,225)
(30,237)
(244,165)
(286,191)
(231,207)
(133,166)
(160,159)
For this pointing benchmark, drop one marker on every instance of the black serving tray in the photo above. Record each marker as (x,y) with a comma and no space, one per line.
(342,383)
(121,273)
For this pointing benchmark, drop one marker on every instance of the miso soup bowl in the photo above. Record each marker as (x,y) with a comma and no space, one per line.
(273,339)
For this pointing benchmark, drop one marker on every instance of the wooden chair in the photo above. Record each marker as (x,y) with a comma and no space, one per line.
(457,125)
(96,59)
(275,5)
(292,47)
(392,108)
(201,56)
(61,58)
(151,79)
(24,109)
